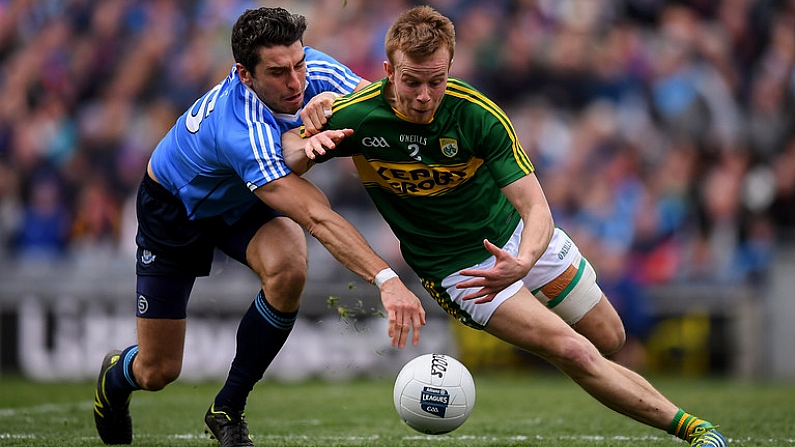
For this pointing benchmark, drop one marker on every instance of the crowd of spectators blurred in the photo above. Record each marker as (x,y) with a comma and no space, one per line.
(662,131)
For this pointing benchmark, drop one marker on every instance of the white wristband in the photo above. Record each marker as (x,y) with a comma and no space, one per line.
(384,275)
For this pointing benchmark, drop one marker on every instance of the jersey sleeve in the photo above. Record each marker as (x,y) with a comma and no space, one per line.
(326,74)
(500,147)
(254,150)
(495,140)
(505,158)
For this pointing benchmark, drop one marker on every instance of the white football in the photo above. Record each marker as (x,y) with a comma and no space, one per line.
(434,394)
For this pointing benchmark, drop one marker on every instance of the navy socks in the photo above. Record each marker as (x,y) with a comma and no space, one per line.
(260,336)
(119,381)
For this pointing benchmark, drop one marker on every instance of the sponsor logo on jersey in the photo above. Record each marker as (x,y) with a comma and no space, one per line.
(414,178)
(143,304)
(449,146)
(419,139)
(374,142)
(147,257)
(434,400)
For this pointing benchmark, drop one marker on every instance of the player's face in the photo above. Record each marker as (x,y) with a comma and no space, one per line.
(419,86)
(279,79)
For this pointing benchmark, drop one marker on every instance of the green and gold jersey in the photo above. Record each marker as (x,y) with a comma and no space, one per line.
(438,184)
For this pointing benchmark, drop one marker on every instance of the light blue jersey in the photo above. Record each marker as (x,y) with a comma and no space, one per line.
(228,143)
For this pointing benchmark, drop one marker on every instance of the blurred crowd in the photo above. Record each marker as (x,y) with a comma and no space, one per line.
(662,131)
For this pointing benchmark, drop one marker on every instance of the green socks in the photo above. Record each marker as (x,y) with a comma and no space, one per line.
(684,424)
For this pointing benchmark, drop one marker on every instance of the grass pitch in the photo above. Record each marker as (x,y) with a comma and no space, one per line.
(539,410)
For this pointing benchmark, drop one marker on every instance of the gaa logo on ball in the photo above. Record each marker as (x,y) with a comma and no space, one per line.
(434,394)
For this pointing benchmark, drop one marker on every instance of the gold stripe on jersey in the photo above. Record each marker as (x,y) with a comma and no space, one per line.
(370,91)
(414,178)
(460,90)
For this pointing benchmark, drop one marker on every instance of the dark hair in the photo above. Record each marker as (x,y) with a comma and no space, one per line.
(264,27)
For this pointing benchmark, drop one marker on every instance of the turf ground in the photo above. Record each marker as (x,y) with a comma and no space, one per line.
(539,410)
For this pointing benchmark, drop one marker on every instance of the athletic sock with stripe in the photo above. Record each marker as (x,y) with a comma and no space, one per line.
(260,336)
(684,424)
(119,380)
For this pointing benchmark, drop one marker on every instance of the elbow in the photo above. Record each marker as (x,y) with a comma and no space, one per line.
(299,165)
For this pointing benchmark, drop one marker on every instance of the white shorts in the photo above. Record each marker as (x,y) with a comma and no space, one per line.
(562,279)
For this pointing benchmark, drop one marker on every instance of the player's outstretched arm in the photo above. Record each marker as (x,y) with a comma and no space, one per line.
(303,202)
(299,152)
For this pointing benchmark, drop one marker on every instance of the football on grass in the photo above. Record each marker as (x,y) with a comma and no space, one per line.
(434,393)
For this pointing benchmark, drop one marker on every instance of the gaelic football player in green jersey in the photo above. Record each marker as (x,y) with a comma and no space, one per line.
(446,170)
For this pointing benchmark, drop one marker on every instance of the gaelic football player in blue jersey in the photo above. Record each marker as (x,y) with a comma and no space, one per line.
(218,179)
(444,167)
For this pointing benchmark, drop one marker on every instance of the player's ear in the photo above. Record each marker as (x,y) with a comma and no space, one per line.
(244,74)
(390,71)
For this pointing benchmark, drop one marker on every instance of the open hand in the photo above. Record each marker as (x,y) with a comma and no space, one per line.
(506,270)
(404,312)
(328,139)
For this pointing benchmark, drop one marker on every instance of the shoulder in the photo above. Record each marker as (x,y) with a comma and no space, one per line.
(316,59)
(469,100)
(371,95)
(350,109)
(240,116)
(464,91)
(324,73)
(313,54)
(247,105)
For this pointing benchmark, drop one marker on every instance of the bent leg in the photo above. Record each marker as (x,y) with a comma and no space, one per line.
(160,345)
(575,296)
(603,327)
(526,323)
(277,253)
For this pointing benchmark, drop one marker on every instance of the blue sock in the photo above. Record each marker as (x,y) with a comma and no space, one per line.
(119,381)
(260,336)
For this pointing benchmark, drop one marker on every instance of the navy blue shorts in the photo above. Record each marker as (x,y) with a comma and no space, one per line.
(174,250)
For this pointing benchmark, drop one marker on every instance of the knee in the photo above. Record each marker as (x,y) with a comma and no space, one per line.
(611,340)
(156,377)
(574,355)
(288,280)
(606,332)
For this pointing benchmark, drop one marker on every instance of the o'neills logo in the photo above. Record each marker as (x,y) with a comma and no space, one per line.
(414,178)
(419,139)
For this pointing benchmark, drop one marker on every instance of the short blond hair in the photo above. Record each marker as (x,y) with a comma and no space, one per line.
(419,33)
